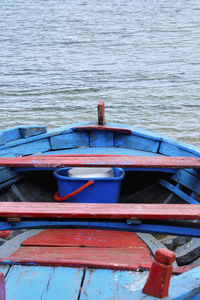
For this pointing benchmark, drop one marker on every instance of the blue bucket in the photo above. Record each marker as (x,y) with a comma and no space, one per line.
(88,190)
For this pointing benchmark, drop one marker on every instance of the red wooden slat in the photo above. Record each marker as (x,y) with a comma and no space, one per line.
(101,161)
(103,128)
(86,238)
(112,258)
(97,210)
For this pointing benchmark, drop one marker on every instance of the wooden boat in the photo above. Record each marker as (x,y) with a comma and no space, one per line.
(69,250)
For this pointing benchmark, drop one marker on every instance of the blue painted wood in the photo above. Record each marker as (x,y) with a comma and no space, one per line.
(70,140)
(101,138)
(136,142)
(102,150)
(8,135)
(138,131)
(27,148)
(150,228)
(9,182)
(27,282)
(29,131)
(188,180)
(171,148)
(6,174)
(64,283)
(108,284)
(16,133)
(58,131)
(177,191)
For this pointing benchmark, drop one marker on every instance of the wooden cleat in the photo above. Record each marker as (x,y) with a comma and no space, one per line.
(157,284)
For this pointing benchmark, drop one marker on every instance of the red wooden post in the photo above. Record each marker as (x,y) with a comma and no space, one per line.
(2,287)
(101,113)
(157,284)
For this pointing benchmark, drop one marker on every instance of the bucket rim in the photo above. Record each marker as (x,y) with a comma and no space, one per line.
(58,176)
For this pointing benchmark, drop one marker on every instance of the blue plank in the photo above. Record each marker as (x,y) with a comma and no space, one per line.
(70,140)
(136,142)
(29,131)
(27,148)
(8,135)
(64,283)
(188,180)
(171,148)
(138,131)
(6,174)
(150,228)
(178,192)
(101,138)
(27,282)
(102,150)
(108,285)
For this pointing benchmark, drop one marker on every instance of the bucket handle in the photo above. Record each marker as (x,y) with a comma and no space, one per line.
(83,187)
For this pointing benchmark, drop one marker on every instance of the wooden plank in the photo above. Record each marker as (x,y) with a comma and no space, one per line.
(188,180)
(131,258)
(105,284)
(101,139)
(30,131)
(103,128)
(69,140)
(27,282)
(136,142)
(64,283)
(27,148)
(98,160)
(177,191)
(84,238)
(98,210)
(173,148)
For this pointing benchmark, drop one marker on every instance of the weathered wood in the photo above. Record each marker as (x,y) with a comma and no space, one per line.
(34,283)
(101,113)
(97,210)
(102,128)
(84,238)
(157,283)
(101,161)
(27,148)
(131,258)
(69,140)
(188,252)
(101,139)
(106,284)
(136,142)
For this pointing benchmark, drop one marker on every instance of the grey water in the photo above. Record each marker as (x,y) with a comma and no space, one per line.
(58,58)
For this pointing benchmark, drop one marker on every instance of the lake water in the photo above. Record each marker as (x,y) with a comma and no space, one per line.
(142,57)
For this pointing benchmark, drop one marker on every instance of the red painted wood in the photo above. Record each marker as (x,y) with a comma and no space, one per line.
(101,113)
(2,287)
(157,284)
(101,161)
(97,210)
(86,238)
(4,234)
(112,258)
(103,128)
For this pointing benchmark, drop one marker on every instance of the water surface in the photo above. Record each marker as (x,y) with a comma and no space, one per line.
(59,58)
